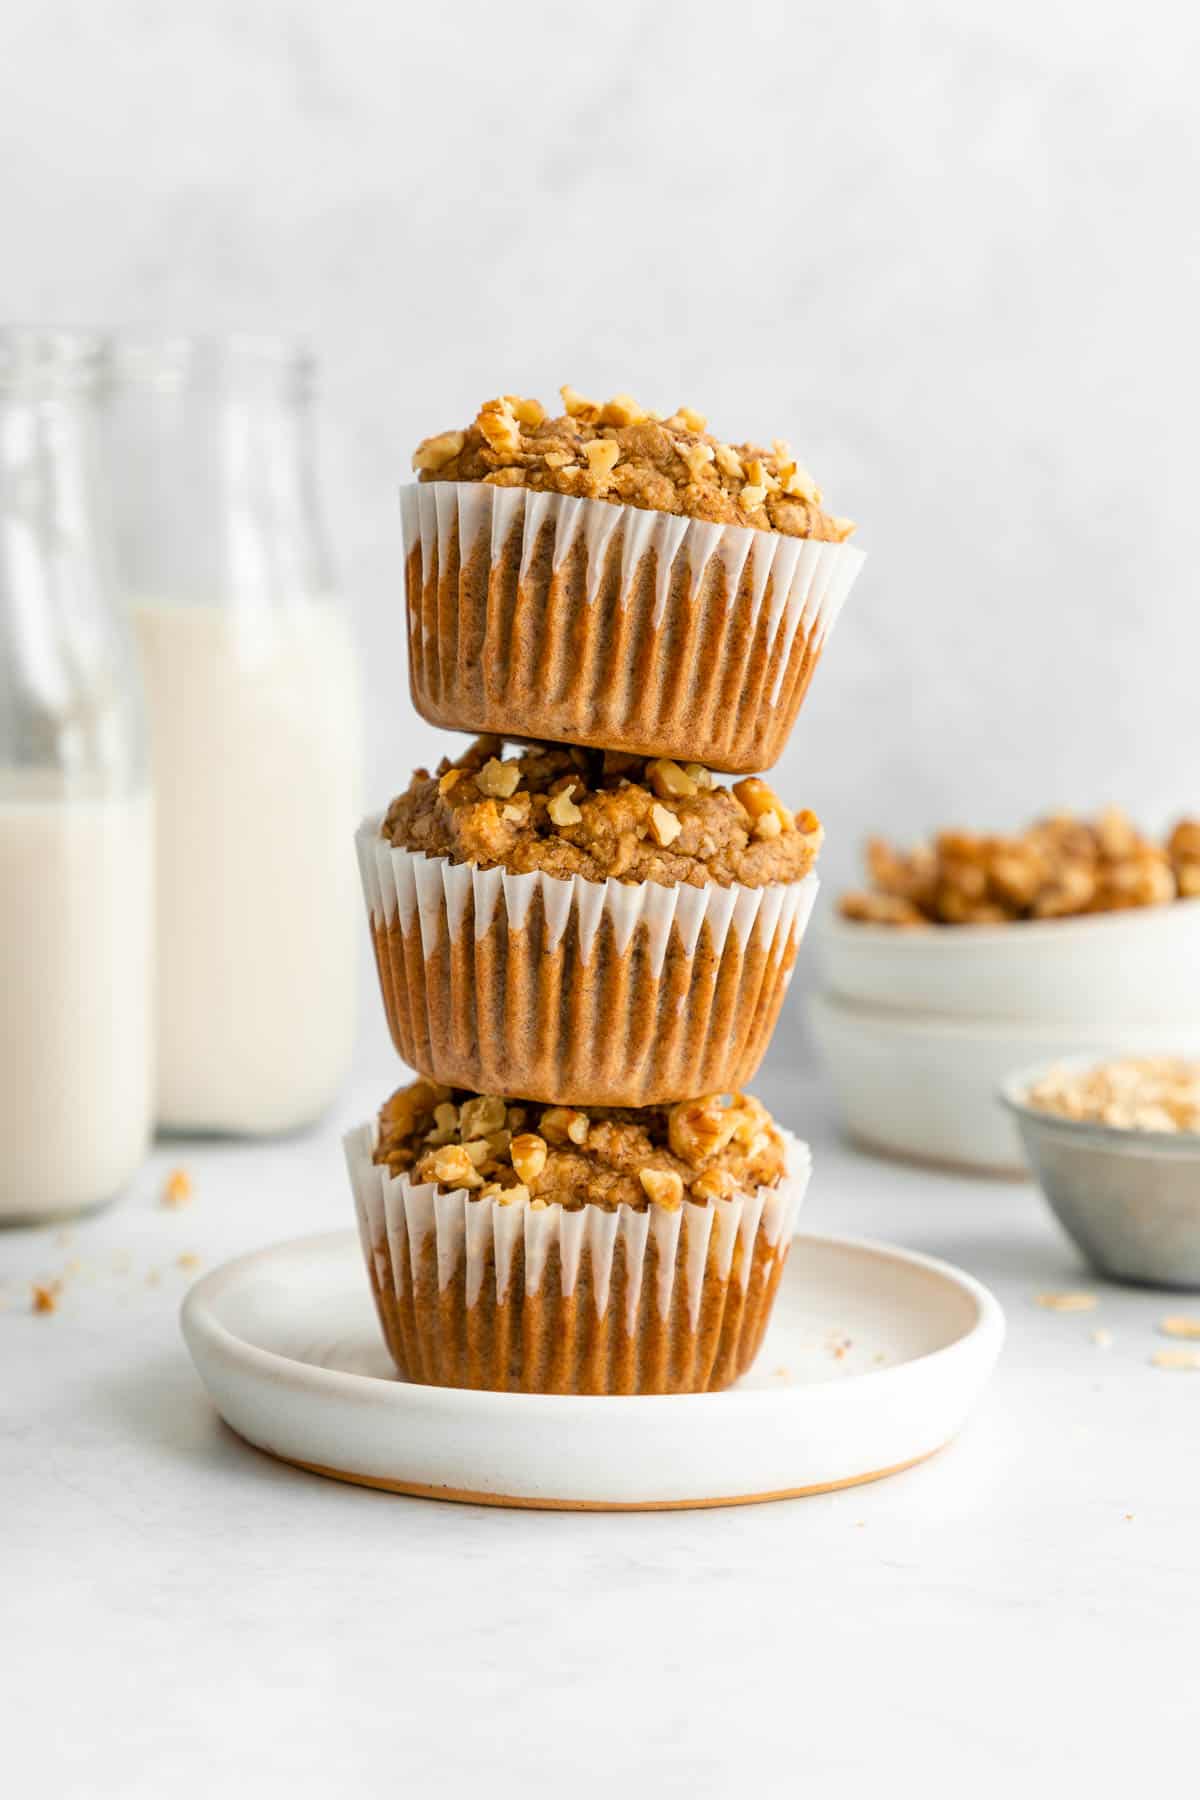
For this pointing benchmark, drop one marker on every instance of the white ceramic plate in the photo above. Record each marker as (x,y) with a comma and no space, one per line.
(1135,968)
(872,1362)
(926,1087)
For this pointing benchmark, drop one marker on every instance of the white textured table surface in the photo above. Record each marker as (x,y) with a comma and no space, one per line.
(181,1615)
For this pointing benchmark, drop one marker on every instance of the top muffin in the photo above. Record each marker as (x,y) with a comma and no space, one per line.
(624,454)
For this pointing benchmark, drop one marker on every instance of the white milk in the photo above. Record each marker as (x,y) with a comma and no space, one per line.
(75,975)
(255,740)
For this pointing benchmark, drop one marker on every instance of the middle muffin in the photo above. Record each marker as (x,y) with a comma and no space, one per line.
(585,926)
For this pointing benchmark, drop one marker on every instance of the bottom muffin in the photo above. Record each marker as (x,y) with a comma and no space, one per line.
(562,1250)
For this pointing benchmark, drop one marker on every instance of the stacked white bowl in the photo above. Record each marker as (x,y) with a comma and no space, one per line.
(919,1028)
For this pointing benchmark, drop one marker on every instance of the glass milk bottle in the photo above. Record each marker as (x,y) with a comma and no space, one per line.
(75,817)
(255,729)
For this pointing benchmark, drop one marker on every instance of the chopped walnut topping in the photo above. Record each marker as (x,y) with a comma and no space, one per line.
(697,457)
(664,825)
(622,409)
(764,806)
(669,781)
(45,1296)
(663,1186)
(1058,867)
(577,407)
(452,1167)
(561,1124)
(528,1154)
(603,455)
(480,1117)
(499,779)
(602,815)
(499,425)
(704,1150)
(561,809)
(435,452)
(626,454)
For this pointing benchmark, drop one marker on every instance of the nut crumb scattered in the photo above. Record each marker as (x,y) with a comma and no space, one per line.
(1102,1336)
(1178,1325)
(188,1260)
(153,1279)
(1076,1302)
(45,1297)
(177,1189)
(1176,1359)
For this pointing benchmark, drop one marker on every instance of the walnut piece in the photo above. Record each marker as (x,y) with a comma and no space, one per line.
(602,455)
(528,1155)
(664,825)
(669,781)
(663,1187)
(499,780)
(562,809)
(435,452)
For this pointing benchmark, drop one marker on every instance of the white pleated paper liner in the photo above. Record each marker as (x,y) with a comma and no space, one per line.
(539,615)
(575,991)
(472,1293)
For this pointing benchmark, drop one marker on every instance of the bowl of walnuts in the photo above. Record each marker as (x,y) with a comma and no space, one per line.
(971,955)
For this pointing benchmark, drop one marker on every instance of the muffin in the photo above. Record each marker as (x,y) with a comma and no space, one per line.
(614,578)
(558,1250)
(586,927)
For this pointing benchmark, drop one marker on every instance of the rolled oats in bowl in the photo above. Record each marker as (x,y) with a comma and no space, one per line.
(1136,1093)
(1115,1145)
(585,927)
(559,1249)
(618,578)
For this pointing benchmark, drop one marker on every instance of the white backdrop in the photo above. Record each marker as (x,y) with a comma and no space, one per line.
(949,250)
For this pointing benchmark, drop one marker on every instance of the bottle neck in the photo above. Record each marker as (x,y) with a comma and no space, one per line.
(70,696)
(213,468)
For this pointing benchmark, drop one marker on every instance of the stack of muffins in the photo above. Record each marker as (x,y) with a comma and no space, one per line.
(583,939)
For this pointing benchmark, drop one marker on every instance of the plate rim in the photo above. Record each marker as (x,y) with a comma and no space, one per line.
(197,1316)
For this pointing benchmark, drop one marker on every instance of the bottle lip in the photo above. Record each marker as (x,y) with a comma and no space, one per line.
(47,360)
(175,359)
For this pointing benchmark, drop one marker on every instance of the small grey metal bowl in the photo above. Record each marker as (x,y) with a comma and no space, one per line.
(1129,1199)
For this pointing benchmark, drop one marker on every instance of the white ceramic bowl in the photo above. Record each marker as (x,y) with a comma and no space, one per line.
(1128,968)
(926,1087)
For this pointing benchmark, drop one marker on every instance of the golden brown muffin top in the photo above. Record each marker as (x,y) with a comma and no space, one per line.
(609,1156)
(569,811)
(1057,868)
(622,453)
